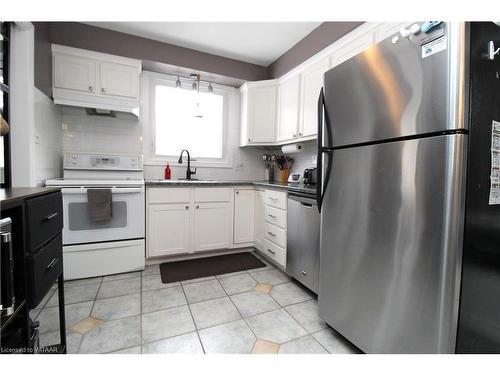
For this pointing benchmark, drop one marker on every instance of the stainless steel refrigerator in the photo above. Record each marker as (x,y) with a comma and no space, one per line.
(392,150)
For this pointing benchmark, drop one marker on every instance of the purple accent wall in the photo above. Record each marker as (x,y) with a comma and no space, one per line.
(320,38)
(43,58)
(93,38)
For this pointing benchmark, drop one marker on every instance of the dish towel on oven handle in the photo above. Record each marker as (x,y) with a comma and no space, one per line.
(100,204)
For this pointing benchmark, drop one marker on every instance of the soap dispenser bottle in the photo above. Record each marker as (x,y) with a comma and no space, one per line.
(168,172)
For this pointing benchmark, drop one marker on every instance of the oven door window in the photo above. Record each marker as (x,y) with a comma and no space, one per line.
(79,219)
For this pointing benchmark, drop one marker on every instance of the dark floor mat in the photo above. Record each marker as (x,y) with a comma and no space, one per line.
(210,266)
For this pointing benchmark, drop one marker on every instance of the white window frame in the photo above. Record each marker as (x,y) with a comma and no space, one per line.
(149,82)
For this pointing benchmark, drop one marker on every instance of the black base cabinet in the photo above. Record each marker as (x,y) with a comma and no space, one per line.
(36,241)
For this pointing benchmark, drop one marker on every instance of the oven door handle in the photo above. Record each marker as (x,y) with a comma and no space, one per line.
(77,191)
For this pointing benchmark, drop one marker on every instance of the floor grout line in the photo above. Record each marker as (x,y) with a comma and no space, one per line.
(194,322)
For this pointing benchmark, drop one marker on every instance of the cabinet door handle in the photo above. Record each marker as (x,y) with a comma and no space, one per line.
(197,206)
(51,264)
(237,192)
(91,88)
(272,216)
(271,234)
(303,273)
(295,136)
(273,199)
(187,207)
(103,89)
(272,252)
(300,133)
(51,216)
(249,140)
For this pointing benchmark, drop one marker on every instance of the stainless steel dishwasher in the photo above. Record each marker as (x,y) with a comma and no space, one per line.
(303,239)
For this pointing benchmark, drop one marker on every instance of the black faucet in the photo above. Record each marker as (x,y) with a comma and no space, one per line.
(189,172)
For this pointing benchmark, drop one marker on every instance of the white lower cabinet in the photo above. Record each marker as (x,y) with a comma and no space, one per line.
(212,223)
(243,216)
(187,220)
(259,219)
(275,252)
(169,229)
(182,221)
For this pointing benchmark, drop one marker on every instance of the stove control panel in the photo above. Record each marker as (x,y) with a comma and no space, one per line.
(78,160)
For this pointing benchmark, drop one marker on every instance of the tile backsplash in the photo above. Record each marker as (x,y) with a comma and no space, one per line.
(84,133)
(306,158)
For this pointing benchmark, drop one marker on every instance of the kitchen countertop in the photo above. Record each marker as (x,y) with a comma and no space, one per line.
(10,195)
(301,188)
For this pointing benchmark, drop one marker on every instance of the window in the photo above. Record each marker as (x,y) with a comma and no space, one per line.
(184,119)
(176,118)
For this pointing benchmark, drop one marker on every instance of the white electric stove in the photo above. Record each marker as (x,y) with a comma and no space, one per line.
(98,248)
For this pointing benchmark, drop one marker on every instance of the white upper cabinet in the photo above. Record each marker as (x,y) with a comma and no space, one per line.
(258,112)
(288,99)
(311,84)
(95,80)
(119,80)
(74,73)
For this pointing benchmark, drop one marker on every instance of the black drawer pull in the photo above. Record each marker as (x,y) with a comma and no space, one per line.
(51,264)
(271,234)
(272,252)
(51,216)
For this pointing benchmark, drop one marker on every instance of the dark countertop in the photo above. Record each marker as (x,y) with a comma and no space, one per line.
(197,183)
(8,196)
(289,186)
(301,188)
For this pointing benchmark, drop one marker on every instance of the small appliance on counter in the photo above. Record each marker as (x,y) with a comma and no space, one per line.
(294,178)
(310,175)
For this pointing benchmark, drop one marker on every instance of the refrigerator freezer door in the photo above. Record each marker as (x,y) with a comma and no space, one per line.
(390,244)
(391,91)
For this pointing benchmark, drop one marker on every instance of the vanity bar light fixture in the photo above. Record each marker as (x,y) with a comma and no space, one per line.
(196,82)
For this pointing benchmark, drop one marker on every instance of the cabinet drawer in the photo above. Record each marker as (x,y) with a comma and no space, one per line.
(43,269)
(45,218)
(276,216)
(169,195)
(275,234)
(211,195)
(276,253)
(276,199)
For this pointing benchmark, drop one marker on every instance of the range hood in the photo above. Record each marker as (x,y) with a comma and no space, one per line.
(99,109)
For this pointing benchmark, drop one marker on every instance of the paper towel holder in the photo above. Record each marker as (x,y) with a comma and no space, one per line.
(291,149)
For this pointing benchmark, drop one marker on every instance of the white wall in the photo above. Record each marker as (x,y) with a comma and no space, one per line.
(22,107)
(48,139)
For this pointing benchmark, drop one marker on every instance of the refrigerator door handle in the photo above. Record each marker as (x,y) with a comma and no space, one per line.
(320,187)
(319,160)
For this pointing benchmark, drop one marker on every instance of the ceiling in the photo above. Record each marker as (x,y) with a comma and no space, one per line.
(258,43)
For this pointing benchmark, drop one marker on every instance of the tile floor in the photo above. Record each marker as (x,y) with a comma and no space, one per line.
(256,311)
